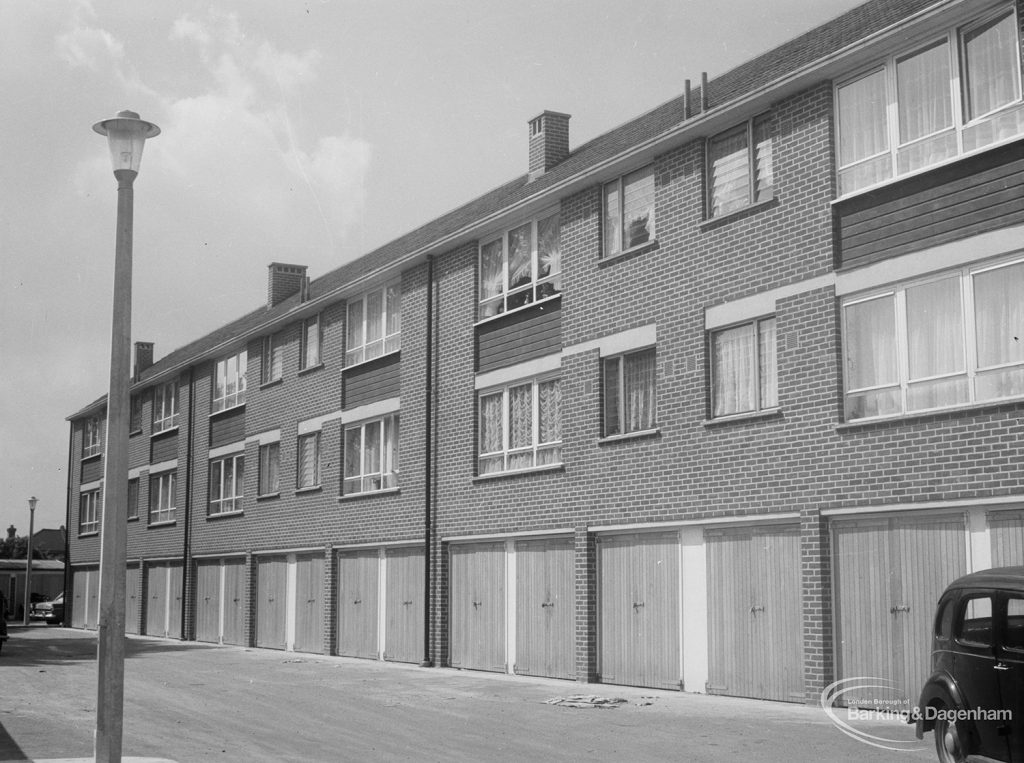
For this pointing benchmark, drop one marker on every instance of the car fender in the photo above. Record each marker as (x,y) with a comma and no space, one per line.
(939,689)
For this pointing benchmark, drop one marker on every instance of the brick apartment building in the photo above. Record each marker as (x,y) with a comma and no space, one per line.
(717,401)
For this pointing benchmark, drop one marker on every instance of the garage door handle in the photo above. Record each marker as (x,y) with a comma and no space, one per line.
(476,604)
(637,605)
(548,604)
(900,608)
(757,608)
(358,601)
(270,599)
(406,603)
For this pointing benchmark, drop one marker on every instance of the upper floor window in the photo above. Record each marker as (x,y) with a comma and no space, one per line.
(629,392)
(229,382)
(133,498)
(629,211)
(163,498)
(308,461)
(949,340)
(520,426)
(953,95)
(227,480)
(165,406)
(371,456)
(740,167)
(374,324)
(89,507)
(271,359)
(309,356)
(91,437)
(135,414)
(522,265)
(270,468)
(744,377)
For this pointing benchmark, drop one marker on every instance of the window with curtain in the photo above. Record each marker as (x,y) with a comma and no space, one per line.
(133,498)
(89,507)
(229,382)
(162,497)
(629,211)
(740,167)
(374,326)
(371,456)
(520,266)
(91,443)
(949,340)
(272,360)
(629,392)
(744,377)
(520,427)
(308,471)
(270,468)
(165,406)
(905,115)
(227,481)
(309,356)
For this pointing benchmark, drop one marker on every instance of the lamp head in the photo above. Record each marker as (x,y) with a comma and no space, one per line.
(126,135)
(32,503)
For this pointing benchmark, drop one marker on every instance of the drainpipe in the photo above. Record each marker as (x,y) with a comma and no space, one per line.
(428,465)
(185,564)
(67,526)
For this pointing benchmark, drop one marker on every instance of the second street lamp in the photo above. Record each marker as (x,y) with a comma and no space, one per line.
(28,556)
(126,135)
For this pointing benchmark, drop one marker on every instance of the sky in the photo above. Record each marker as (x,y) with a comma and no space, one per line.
(307,132)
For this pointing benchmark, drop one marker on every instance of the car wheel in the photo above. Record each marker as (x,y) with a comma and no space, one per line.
(950,741)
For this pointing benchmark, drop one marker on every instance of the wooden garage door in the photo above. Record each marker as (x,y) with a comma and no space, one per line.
(80,600)
(403,605)
(309,604)
(477,606)
(639,610)
(208,601)
(233,601)
(1006,530)
(92,610)
(132,602)
(163,599)
(888,576)
(358,596)
(545,628)
(755,637)
(271,602)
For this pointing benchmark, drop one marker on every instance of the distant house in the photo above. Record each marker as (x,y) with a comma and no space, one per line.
(47,581)
(50,543)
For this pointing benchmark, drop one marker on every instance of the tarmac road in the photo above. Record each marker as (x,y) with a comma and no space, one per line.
(191,702)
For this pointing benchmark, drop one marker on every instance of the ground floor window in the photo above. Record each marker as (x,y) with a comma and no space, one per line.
(520,426)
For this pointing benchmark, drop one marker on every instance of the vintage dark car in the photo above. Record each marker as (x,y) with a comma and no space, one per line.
(50,612)
(974,699)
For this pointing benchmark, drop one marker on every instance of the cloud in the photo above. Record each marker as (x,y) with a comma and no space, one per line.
(89,47)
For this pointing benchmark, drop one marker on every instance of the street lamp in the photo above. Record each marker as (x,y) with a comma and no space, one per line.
(28,557)
(126,134)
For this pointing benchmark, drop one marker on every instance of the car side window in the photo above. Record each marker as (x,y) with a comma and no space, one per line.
(1014,637)
(944,620)
(975,622)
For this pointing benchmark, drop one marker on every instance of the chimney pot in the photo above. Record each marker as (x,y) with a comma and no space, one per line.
(549,141)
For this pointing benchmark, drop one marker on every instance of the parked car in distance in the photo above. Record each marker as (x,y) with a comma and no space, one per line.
(51,612)
(974,699)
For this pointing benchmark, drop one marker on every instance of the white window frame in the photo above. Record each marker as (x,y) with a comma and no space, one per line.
(229,373)
(953,40)
(310,353)
(267,451)
(92,443)
(620,360)
(299,461)
(750,128)
(390,341)
(165,406)
(163,497)
(229,502)
(89,507)
(506,452)
(539,287)
(760,405)
(897,293)
(271,359)
(618,185)
(373,480)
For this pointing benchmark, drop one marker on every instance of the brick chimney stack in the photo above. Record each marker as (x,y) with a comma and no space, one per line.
(284,281)
(143,357)
(11,532)
(549,141)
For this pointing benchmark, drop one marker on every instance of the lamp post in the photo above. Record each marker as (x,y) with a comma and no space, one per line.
(126,134)
(28,557)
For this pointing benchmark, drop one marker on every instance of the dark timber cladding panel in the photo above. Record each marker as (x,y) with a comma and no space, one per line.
(376,380)
(949,203)
(226,428)
(92,470)
(522,335)
(163,447)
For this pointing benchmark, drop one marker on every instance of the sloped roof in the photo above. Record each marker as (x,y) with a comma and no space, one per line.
(760,72)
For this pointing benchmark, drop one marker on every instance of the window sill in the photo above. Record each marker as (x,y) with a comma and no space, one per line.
(223,411)
(268,496)
(560,467)
(312,369)
(158,432)
(641,434)
(750,209)
(765,415)
(165,523)
(91,456)
(272,383)
(225,514)
(364,362)
(135,432)
(369,494)
(310,489)
(132,519)
(90,534)
(626,254)
(954,410)
(514,310)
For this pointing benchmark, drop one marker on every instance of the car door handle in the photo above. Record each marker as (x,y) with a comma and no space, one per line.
(1000,666)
